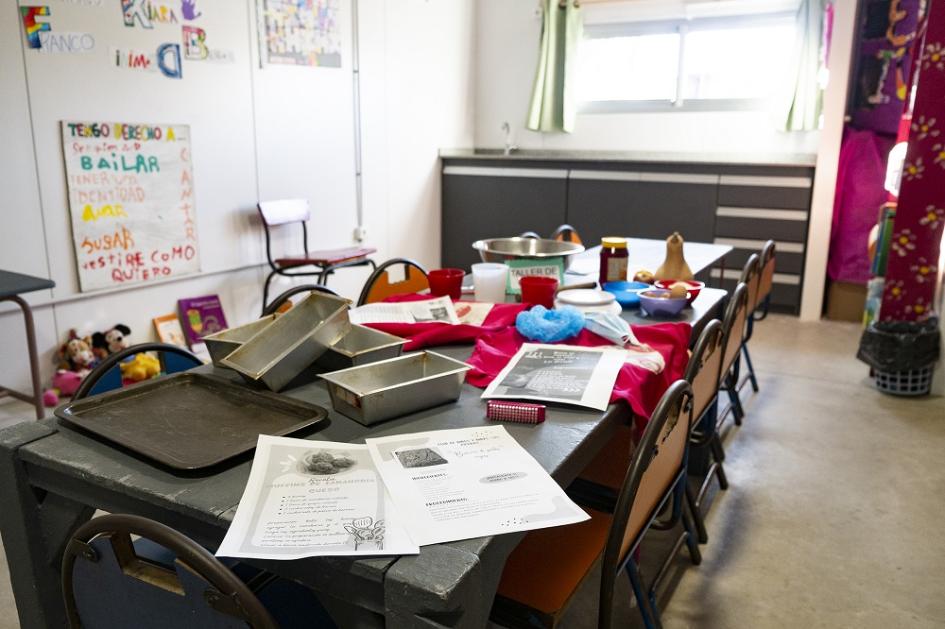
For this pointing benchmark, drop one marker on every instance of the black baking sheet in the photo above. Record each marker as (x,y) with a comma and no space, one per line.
(190,421)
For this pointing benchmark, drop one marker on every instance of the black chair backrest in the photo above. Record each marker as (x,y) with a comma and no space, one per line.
(566,233)
(378,286)
(766,281)
(277,303)
(734,326)
(657,462)
(107,375)
(703,371)
(105,584)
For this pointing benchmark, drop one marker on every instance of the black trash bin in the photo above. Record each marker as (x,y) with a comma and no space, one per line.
(902,354)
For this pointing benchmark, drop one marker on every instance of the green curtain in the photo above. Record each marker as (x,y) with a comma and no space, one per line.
(803,101)
(552,107)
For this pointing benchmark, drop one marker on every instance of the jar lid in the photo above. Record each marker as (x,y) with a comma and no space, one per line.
(613,242)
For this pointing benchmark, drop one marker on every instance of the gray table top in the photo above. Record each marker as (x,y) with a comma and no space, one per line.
(563,445)
(17,283)
(649,253)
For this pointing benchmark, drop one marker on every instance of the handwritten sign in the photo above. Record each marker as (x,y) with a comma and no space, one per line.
(131,199)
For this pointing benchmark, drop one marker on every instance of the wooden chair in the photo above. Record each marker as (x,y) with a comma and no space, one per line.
(282,302)
(759,307)
(107,375)
(703,375)
(107,582)
(379,286)
(548,566)
(566,233)
(309,263)
(734,327)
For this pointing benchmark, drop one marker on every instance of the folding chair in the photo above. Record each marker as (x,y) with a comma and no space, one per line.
(566,233)
(310,263)
(379,286)
(281,302)
(545,570)
(106,582)
(703,375)
(758,304)
(107,375)
(734,326)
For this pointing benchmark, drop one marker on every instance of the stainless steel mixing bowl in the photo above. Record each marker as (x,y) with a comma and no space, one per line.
(502,249)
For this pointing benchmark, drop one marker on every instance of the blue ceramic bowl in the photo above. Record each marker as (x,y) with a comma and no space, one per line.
(627,293)
(656,306)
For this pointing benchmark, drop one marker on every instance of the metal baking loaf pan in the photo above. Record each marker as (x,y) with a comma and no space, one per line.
(383,390)
(284,348)
(221,344)
(360,346)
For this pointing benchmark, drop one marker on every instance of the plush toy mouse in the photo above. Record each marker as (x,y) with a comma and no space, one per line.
(110,341)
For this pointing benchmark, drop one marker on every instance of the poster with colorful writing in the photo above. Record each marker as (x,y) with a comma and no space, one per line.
(131,200)
(301,32)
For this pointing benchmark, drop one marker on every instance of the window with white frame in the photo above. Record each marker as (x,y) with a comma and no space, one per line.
(691,64)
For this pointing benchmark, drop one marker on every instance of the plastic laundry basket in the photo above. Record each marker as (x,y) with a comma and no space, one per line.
(911,383)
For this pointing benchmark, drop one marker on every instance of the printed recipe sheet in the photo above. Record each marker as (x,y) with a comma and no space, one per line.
(314,498)
(450,485)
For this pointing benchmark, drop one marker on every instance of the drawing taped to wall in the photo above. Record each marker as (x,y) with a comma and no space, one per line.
(131,202)
(146,13)
(41,37)
(301,32)
(165,59)
(196,48)
(34,24)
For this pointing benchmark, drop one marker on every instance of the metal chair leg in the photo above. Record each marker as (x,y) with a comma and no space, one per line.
(732,389)
(691,542)
(751,368)
(719,453)
(650,618)
(697,518)
(266,290)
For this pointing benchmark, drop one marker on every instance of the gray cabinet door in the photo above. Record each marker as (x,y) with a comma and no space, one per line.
(641,209)
(485,206)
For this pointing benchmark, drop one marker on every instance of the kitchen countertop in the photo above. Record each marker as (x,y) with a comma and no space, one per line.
(656,157)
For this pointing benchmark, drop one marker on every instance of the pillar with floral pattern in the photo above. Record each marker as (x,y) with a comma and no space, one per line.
(911,274)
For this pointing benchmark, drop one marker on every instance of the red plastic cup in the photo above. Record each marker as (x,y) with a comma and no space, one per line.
(446,282)
(538,290)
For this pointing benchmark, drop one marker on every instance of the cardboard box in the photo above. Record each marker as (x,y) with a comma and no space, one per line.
(845,301)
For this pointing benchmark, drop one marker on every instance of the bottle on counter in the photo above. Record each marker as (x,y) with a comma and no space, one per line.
(613,260)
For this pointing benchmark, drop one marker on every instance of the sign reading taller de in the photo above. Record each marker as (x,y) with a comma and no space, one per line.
(131,200)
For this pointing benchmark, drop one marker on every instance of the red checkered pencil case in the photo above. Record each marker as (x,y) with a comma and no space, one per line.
(502,411)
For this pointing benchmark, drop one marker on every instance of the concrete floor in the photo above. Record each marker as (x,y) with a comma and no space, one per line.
(835,510)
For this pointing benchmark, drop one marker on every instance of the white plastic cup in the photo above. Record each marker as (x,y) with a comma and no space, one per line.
(489,280)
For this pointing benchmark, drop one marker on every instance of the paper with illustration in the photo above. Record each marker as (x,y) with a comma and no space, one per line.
(449,485)
(567,374)
(438,310)
(314,498)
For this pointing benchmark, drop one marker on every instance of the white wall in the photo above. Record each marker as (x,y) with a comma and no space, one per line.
(273,132)
(509,31)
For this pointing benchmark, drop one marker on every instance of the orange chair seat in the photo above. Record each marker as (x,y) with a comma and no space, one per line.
(609,467)
(548,566)
(326,257)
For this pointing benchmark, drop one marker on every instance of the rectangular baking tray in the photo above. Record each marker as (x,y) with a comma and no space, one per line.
(383,390)
(284,348)
(189,421)
(360,346)
(221,344)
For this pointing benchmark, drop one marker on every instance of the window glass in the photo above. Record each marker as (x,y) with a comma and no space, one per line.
(749,62)
(642,67)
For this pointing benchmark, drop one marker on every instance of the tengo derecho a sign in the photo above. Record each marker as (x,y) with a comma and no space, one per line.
(131,199)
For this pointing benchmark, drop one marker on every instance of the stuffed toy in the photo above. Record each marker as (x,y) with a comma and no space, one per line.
(110,341)
(142,367)
(64,384)
(76,354)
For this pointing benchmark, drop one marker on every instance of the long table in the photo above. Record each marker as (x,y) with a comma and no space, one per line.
(52,479)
